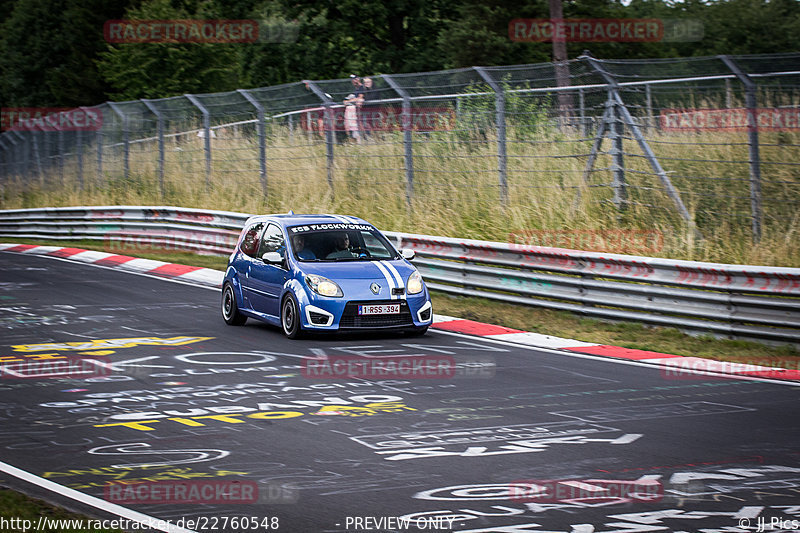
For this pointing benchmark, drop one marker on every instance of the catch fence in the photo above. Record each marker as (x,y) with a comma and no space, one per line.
(697,144)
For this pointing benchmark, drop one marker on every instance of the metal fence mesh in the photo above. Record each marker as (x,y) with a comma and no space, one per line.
(653,141)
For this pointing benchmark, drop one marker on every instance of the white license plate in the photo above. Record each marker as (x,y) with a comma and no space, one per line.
(382,309)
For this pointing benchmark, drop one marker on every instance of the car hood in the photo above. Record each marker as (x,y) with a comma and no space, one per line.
(374,270)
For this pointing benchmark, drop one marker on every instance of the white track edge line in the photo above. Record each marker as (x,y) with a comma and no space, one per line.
(160,524)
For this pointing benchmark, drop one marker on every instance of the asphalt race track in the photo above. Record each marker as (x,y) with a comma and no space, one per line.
(160,393)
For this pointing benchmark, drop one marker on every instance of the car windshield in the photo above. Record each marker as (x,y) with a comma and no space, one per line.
(339,242)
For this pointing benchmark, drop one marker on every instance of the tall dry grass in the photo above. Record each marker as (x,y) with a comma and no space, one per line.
(456,191)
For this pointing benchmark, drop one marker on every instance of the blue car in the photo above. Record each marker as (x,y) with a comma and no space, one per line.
(322,273)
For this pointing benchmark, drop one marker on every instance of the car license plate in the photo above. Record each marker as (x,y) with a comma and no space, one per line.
(382,309)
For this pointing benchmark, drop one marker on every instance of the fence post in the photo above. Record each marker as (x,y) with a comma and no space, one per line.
(79,150)
(61,156)
(500,109)
(161,156)
(327,101)
(206,135)
(615,134)
(4,165)
(20,155)
(262,138)
(752,143)
(99,155)
(637,133)
(407,138)
(582,104)
(126,139)
(649,103)
(728,94)
(37,155)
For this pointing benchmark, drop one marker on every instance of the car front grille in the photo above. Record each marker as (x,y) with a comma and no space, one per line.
(351,318)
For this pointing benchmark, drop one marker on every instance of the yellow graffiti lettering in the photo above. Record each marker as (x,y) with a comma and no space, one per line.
(109,343)
(140,425)
(275,414)
(332,410)
(186,421)
(45,356)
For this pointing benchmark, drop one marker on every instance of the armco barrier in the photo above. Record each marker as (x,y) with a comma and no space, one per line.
(736,301)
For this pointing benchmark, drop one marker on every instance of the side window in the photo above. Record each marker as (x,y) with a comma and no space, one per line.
(272,241)
(249,244)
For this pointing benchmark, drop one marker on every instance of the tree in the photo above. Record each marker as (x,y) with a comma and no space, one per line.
(47,51)
(157,70)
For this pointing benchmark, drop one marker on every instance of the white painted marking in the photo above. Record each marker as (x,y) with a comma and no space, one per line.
(90,256)
(97,503)
(443,318)
(537,339)
(206,275)
(141,265)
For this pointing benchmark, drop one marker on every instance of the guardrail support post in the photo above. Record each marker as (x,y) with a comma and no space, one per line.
(408,125)
(330,123)
(752,143)
(206,135)
(160,132)
(126,139)
(262,138)
(500,109)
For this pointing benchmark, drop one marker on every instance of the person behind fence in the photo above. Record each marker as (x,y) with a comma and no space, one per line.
(351,117)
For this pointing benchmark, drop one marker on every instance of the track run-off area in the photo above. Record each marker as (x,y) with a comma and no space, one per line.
(125,395)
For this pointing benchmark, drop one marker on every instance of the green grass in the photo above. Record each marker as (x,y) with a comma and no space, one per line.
(19,507)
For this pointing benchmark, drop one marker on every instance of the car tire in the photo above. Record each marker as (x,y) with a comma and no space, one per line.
(230,310)
(290,317)
(417,332)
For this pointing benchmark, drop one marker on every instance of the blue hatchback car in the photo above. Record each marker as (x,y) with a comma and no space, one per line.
(322,273)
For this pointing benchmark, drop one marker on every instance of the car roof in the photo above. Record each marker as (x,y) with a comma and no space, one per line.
(290,219)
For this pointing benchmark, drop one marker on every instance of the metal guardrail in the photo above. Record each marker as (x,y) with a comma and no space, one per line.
(736,301)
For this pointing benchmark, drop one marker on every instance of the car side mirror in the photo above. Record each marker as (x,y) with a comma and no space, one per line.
(408,253)
(273,258)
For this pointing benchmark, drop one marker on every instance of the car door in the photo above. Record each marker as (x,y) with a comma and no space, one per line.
(244,261)
(266,280)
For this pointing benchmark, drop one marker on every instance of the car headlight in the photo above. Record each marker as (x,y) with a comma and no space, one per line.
(323,286)
(414,285)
